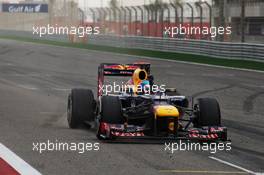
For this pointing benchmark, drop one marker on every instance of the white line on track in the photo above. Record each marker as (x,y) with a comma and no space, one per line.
(201,172)
(254,86)
(234,166)
(16,162)
(6,64)
(217,75)
(27,87)
(61,89)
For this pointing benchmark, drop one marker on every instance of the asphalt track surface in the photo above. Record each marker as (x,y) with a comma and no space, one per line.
(35,80)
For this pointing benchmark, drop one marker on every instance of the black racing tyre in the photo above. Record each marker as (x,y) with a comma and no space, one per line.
(81,107)
(208,113)
(172,92)
(111,110)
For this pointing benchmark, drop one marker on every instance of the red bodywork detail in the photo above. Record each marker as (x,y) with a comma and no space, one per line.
(104,128)
(5,168)
(127,134)
(121,67)
(118,131)
(212,133)
(107,72)
(219,129)
(202,136)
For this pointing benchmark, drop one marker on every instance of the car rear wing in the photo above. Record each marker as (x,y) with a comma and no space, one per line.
(116,69)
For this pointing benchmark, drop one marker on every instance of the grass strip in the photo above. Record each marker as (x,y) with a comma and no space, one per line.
(234,63)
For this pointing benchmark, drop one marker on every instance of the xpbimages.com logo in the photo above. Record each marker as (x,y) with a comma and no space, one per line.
(80,31)
(130,88)
(196,146)
(50,146)
(196,30)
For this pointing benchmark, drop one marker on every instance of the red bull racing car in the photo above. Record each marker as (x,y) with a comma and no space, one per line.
(130,113)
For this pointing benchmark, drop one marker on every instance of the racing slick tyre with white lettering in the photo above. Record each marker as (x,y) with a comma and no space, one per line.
(80,108)
(208,113)
(111,111)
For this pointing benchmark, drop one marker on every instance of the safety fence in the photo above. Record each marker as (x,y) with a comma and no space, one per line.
(197,47)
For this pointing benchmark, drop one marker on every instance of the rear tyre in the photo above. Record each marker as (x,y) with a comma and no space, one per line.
(81,107)
(111,110)
(208,113)
(172,92)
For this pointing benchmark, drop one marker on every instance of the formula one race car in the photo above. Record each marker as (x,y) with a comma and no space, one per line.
(149,113)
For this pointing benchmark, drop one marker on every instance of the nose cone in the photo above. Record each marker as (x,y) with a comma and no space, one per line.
(166,111)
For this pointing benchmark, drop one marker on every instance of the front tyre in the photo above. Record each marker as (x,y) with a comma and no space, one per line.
(80,108)
(208,113)
(111,110)
(111,113)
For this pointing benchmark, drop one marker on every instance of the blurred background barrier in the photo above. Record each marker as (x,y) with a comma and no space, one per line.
(29,34)
(141,24)
(141,17)
(217,49)
(199,47)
